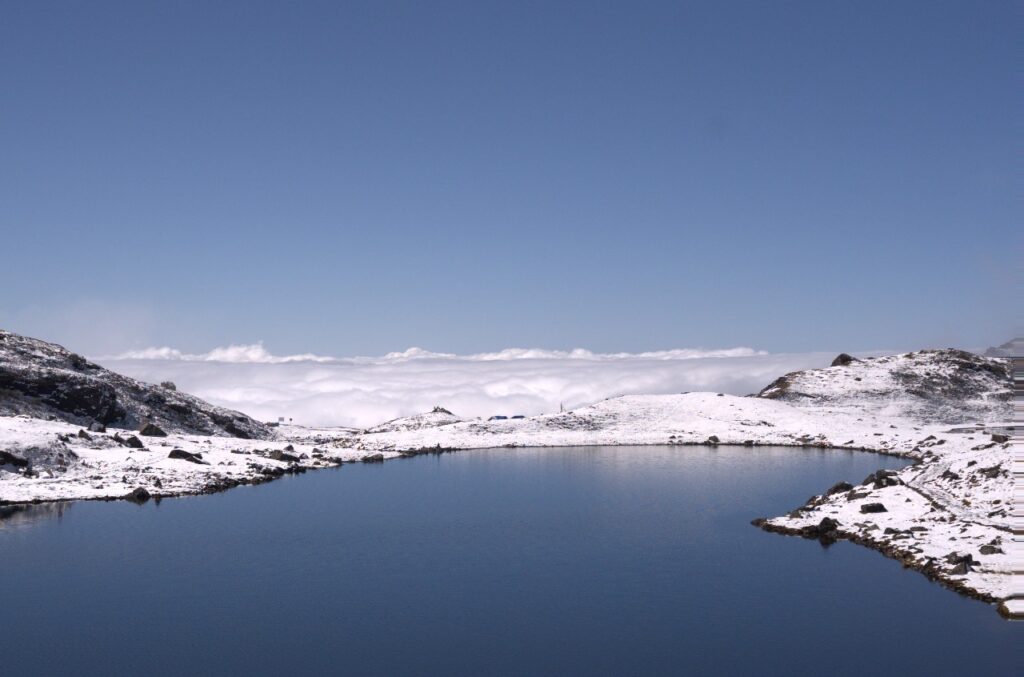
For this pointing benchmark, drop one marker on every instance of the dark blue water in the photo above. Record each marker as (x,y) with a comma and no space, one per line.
(588,561)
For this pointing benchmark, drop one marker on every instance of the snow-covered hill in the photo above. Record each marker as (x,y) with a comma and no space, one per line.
(929,385)
(44,380)
(432,419)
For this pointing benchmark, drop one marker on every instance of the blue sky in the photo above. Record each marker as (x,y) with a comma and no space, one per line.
(357,178)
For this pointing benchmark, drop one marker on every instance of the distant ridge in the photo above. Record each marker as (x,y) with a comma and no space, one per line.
(1012,348)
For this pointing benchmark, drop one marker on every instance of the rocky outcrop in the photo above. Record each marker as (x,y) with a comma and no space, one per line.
(843,359)
(44,380)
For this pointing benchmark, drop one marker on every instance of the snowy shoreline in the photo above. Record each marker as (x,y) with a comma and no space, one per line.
(948,515)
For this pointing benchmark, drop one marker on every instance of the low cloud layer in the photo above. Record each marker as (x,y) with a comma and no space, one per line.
(363,391)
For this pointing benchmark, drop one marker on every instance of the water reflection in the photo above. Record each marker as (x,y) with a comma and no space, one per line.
(27,515)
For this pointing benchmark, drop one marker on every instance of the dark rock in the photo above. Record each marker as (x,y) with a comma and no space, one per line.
(1000,439)
(133,442)
(990,550)
(962,564)
(838,488)
(84,435)
(289,448)
(950,475)
(712,439)
(827,524)
(882,478)
(186,456)
(7,458)
(843,359)
(827,530)
(992,472)
(168,385)
(960,569)
(872,508)
(279,455)
(139,495)
(152,430)
(97,427)
(236,431)
(373,458)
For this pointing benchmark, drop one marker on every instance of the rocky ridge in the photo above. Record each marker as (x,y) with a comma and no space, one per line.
(44,380)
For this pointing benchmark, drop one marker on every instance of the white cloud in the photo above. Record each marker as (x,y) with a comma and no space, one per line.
(363,391)
(254,352)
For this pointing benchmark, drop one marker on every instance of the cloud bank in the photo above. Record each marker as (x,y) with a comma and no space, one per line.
(364,391)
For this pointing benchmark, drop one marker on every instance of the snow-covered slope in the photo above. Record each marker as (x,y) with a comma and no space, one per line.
(432,419)
(44,380)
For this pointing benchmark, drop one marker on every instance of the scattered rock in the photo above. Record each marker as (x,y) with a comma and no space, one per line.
(990,550)
(873,507)
(168,385)
(133,442)
(1000,439)
(712,439)
(373,458)
(84,435)
(97,427)
(843,359)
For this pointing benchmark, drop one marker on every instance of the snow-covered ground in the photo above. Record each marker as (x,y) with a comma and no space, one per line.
(948,515)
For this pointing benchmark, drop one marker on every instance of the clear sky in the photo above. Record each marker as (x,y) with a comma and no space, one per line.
(356,178)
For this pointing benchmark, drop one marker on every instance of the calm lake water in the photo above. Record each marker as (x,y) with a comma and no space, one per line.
(586,561)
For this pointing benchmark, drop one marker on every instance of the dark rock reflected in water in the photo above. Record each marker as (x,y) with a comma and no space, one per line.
(588,561)
(15,516)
